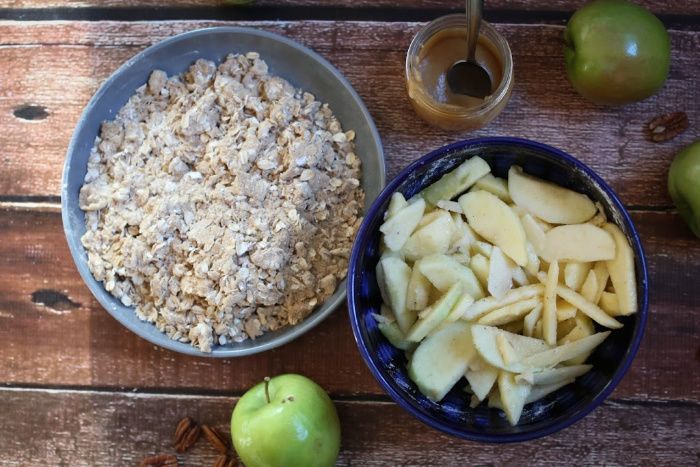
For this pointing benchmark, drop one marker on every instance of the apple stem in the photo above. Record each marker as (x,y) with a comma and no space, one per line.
(267,391)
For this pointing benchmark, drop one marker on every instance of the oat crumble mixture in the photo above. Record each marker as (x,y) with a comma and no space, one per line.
(221,203)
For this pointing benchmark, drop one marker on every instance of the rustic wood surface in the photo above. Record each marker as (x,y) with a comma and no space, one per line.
(78,389)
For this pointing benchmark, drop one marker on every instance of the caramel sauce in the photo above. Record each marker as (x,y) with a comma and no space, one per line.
(446,48)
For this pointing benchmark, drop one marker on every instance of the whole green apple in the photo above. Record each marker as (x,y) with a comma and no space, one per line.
(616,52)
(684,185)
(287,420)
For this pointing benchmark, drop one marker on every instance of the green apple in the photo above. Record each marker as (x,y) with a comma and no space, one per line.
(287,420)
(616,52)
(684,185)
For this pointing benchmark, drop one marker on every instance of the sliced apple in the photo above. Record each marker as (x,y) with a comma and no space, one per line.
(555,375)
(432,316)
(482,380)
(444,272)
(456,181)
(441,360)
(500,278)
(482,306)
(486,344)
(509,313)
(398,228)
(534,233)
(539,392)
(494,185)
(531,320)
(393,276)
(479,264)
(394,335)
(463,302)
(419,289)
(496,222)
(548,201)
(434,237)
(396,204)
(622,273)
(575,273)
(549,305)
(579,242)
(549,358)
(513,395)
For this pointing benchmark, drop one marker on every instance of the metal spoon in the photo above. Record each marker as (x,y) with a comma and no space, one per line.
(466,76)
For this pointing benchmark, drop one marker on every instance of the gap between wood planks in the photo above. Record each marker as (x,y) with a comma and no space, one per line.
(182,393)
(52,204)
(303,13)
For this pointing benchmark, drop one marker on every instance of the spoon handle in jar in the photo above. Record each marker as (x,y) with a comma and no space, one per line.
(474,9)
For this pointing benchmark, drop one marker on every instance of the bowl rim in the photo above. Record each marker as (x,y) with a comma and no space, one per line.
(78,252)
(354,281)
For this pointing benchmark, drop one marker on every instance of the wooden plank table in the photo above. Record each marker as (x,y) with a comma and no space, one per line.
(78,389)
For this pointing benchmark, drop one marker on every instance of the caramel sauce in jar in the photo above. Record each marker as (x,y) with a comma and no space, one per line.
(432,53)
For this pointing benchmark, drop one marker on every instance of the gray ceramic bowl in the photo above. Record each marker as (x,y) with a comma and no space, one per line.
(300,66)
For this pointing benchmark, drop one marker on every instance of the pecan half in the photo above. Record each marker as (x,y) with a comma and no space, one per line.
(225,461)
(215,438)
(161,460)
(665,127)
(186,434)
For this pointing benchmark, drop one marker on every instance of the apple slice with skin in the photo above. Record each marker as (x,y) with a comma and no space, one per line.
(443,272)
(434,314)
(441,360)
(456,181)
(495,221)
(394,335)
(396,204)
(433,237)
(548,201)
(419,289)
(463,302)
(393,276)
(494,185)
(398,228)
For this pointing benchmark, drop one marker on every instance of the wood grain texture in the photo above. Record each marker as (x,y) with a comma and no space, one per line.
(80,428)
(60,66)
(61,71)
(663,8)
(54,333)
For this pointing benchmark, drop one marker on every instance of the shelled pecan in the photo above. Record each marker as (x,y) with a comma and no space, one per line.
(665,127)
(225,461)
(160,460)
(215,438)
(186,434)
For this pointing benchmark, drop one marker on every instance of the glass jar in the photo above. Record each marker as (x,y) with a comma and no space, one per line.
(435,48)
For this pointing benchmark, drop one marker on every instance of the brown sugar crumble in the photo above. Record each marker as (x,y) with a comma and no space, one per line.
(221,203)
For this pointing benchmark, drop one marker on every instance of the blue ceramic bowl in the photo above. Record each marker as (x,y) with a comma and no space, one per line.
(453,415)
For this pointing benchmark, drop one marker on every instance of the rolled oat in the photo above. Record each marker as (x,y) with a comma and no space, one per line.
(221,203)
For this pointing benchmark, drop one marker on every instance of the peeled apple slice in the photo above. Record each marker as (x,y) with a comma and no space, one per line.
(551,203)
(579,242)
(400,225)
(496,222)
